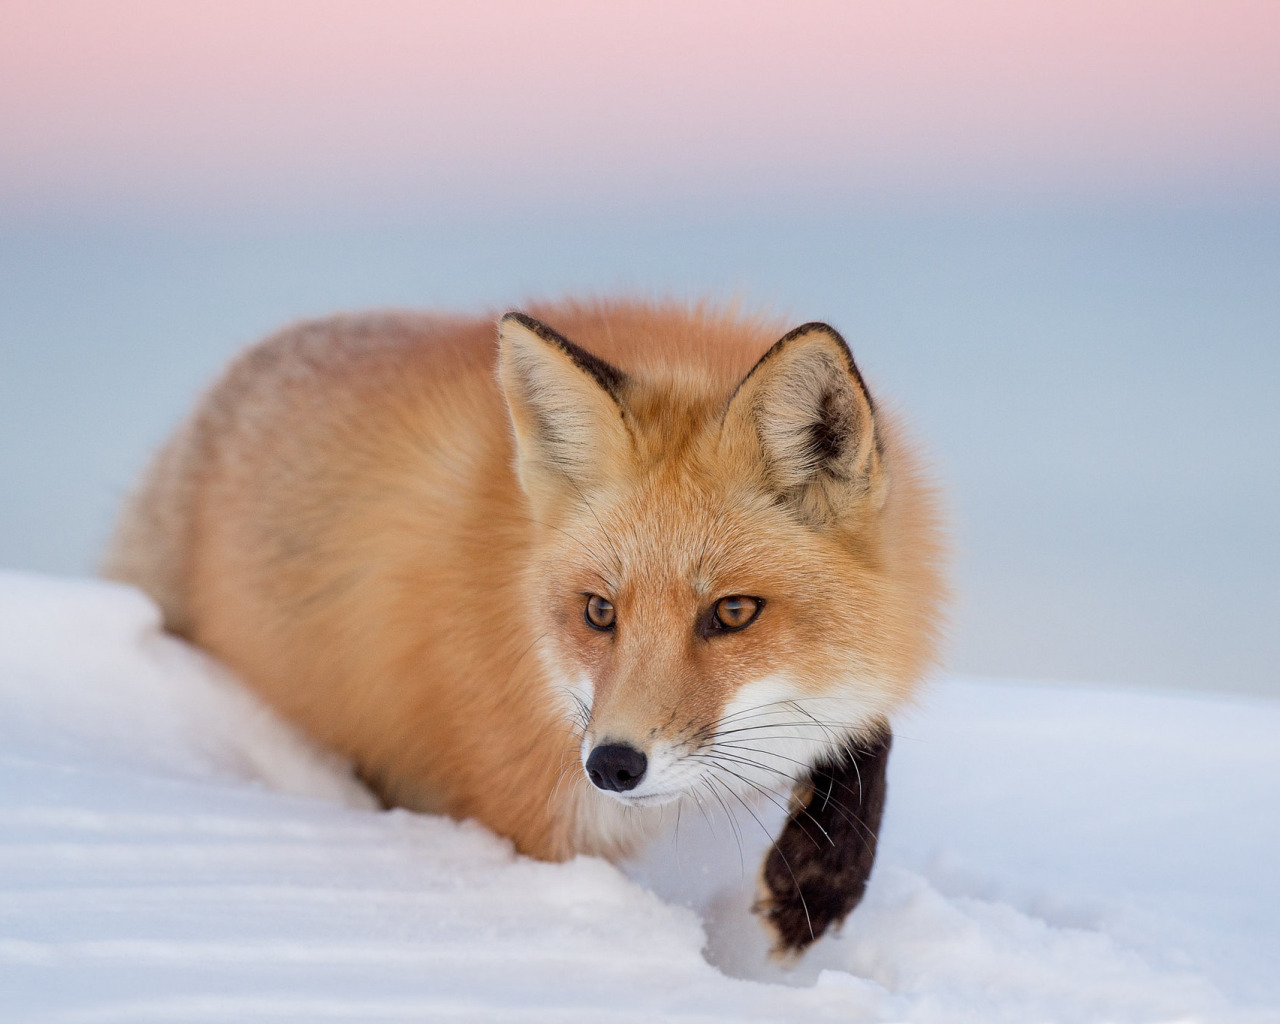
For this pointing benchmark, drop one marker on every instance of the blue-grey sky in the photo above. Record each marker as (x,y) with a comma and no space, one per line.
(1051,232)
(1097,385)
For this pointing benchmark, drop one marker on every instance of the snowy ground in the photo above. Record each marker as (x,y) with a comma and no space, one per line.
(170,852)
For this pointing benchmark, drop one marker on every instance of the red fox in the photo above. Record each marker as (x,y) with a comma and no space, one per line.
(562,573)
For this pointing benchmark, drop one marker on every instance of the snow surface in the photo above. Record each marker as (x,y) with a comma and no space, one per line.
(170,851)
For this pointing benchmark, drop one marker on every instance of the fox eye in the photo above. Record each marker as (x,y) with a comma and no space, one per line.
(599,614)
(737,612)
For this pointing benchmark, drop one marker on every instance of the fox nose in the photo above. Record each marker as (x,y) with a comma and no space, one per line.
(616,767)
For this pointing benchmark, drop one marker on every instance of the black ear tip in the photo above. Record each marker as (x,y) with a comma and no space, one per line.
(605,374)
(534,326)
(816,326)
(523,319)
(820,327)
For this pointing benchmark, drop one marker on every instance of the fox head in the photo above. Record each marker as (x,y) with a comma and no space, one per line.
(728,580)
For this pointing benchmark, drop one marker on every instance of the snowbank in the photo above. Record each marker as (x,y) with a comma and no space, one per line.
(170,851)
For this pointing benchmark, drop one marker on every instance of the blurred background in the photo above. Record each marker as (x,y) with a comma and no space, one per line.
(1050,231)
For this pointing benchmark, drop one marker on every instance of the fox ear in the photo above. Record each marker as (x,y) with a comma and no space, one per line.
(565,407)
(805,413)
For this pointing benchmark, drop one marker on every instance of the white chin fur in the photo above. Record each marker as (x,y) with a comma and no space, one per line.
(638,799)
(772,732)
(664,782)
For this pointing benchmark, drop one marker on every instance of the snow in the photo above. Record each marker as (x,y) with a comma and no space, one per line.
(170,851)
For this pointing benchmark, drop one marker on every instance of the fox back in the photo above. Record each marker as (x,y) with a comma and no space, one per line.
(558,571)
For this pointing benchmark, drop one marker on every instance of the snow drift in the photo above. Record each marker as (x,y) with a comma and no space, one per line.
(171,851)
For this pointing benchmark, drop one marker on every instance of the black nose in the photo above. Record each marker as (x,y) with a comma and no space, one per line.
(616,766)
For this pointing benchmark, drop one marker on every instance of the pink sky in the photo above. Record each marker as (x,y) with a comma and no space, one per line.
(299,101)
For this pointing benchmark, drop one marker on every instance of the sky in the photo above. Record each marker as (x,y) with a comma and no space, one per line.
(1051,232)
(285,105)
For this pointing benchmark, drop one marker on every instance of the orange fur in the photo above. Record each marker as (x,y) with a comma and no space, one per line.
(348,522)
